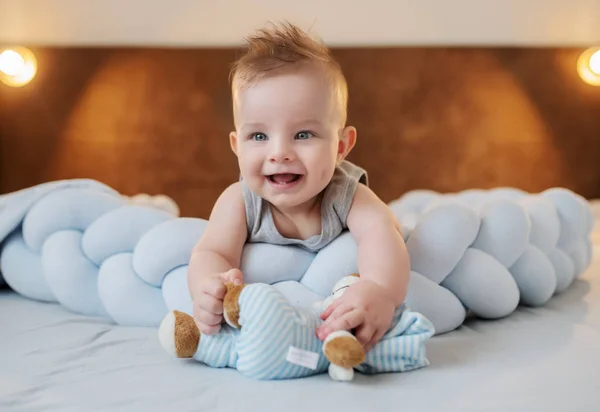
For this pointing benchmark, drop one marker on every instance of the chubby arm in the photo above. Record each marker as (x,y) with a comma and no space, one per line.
(384,269)
(220,247)
(382,254)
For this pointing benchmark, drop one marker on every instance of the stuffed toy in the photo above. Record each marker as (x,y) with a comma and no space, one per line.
(266,337)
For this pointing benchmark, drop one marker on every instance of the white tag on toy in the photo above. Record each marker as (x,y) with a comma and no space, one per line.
(303,358)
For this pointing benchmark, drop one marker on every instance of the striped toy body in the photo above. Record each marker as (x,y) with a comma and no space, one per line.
(402,348)
(270,326)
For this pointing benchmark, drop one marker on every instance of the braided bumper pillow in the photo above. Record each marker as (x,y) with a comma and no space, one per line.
(98,253)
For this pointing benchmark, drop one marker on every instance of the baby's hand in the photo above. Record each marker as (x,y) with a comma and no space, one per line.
(208,302)
(365,307)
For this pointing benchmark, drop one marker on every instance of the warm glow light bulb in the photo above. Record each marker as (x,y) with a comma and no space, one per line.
(595,62)
(11,62)
(588,66)
(18,66)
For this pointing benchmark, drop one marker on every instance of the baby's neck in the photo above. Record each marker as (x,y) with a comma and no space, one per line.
(299,222)
(301,210)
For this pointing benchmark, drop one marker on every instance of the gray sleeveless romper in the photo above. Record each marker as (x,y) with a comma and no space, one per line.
(336,202)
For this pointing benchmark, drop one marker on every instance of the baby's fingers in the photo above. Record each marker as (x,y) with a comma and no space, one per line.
(208,319)
(329,310)
(207,323)
(210,304)
(364,334)
(347,321)
(334,311)
(375,339)
(214,287)
(233,275)
(337,310)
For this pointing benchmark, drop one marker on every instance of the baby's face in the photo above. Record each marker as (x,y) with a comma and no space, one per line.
(288,136)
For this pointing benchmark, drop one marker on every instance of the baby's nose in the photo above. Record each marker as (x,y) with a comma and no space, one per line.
(281,153)
(280,159)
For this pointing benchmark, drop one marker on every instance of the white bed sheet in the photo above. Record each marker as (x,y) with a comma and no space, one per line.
(543,359)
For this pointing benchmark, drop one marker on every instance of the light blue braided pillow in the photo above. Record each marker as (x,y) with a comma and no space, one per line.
(87,247)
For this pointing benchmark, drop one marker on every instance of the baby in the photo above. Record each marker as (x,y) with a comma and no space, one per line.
(297,188)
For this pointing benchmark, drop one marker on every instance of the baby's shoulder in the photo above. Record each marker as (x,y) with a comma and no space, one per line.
(230,201)
(369,210)
(233,193)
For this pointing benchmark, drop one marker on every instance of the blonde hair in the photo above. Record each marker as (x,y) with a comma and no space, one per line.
(284,45)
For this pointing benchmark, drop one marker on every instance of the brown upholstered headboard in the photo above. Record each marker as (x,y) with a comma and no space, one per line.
(157,120)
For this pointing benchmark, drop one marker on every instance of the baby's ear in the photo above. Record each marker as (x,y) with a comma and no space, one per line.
(347,142)
(233,142)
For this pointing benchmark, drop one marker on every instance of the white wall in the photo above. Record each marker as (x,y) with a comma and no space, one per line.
(338,22)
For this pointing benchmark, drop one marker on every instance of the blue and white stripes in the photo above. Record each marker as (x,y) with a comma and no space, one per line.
(271,325)
(219,351)
(402,348)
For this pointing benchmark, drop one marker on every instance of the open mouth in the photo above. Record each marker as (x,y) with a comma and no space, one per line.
(284,179)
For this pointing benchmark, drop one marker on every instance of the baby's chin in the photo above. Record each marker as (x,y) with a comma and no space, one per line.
(290,205)
(288,200)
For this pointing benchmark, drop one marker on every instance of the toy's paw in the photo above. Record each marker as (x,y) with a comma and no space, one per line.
(342,349)
(179,335)
(337,373)
(231,306)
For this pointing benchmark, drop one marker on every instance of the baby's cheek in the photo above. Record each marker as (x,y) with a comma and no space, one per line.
(250,166)
(327,170)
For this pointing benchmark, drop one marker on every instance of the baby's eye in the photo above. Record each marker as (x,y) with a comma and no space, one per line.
(303,135)
(259,137)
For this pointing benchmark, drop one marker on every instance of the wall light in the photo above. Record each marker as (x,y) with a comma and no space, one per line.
(18,66)
(588,66)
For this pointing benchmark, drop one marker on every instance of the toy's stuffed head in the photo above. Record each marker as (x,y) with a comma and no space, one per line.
(340,287)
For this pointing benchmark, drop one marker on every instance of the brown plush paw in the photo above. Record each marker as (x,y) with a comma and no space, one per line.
(231,306)
(179,335)
(342,349)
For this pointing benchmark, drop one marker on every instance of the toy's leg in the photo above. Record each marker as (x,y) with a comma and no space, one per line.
(344,352)
(180,337)
(270,328)
(402,348)
(219,350)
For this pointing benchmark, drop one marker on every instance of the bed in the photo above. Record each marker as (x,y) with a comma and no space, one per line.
(542,359)
(493,117)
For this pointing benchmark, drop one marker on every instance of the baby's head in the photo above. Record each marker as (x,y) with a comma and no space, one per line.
(289,108)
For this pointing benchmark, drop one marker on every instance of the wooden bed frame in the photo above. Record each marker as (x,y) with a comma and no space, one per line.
(447,119)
